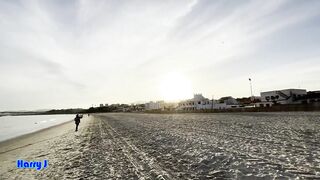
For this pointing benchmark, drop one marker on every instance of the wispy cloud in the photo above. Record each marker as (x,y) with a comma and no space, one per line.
(87,52)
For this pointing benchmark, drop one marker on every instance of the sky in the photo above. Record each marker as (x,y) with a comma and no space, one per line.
(63,54)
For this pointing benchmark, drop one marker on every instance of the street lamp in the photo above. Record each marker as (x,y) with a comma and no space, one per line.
(212,102)
(251,89)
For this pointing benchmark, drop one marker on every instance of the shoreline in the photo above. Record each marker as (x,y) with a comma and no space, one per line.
(29,135)
(149,146)
(15,126)
(44,144)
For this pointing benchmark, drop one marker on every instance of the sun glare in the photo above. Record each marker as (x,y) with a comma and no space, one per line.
(175,86)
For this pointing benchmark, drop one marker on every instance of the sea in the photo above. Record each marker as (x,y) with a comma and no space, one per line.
(13,126)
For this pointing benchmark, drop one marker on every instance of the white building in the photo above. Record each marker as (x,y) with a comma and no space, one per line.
(159,105)
(198,102)
(285,96)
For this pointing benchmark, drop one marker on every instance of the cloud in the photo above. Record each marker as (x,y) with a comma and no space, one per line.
(86,52)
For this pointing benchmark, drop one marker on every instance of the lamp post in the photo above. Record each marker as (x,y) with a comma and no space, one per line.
(251,89)
(212,102)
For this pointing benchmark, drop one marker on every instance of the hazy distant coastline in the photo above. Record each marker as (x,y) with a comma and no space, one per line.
(279,108)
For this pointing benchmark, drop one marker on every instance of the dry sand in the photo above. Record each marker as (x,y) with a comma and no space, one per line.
(176,146)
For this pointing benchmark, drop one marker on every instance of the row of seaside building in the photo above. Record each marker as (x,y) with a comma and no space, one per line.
(266,99)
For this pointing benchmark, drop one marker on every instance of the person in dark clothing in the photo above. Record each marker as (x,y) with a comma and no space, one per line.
(77,121)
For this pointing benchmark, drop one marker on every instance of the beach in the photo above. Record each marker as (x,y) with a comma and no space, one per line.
(49,143)
(172,146)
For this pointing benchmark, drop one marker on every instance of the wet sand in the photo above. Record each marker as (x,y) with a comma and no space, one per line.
(175,146)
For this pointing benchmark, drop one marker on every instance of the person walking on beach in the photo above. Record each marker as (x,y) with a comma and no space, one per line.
(77,121)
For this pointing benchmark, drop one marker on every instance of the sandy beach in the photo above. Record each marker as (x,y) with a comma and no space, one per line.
(51,143)
(176,146)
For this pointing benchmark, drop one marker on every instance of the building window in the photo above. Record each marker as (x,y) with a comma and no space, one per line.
(267,98)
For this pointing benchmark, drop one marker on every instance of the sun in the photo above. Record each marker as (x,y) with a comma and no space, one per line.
(175,86)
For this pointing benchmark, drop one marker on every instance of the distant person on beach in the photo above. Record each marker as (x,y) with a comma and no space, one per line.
(77,121)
